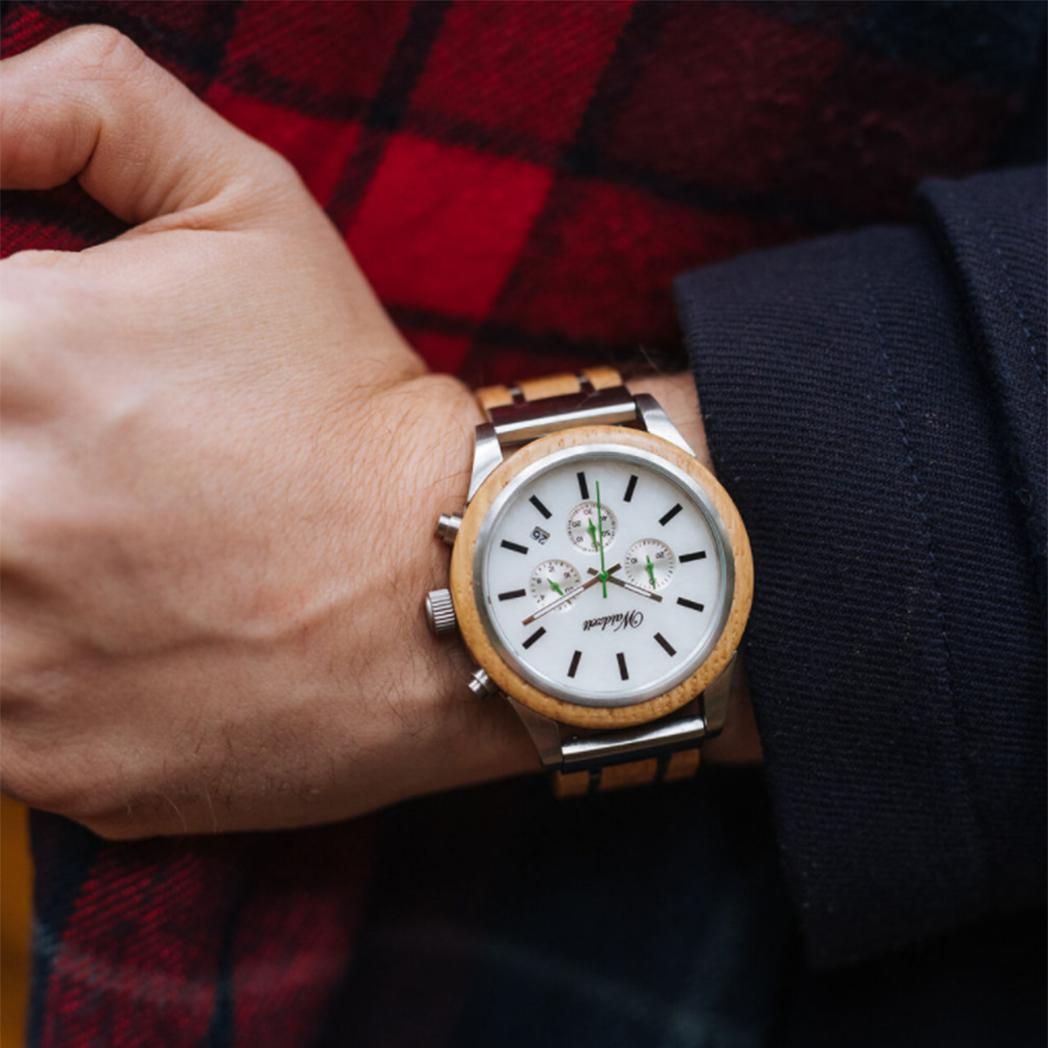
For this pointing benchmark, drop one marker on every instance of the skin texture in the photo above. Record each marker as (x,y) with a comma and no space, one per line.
(221,462)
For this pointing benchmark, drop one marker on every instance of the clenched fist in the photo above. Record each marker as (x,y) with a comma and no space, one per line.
(221,465)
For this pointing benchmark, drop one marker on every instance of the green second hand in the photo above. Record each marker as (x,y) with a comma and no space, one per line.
(600,525)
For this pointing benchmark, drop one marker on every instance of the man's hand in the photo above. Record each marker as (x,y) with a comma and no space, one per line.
(211,433)
(212,436)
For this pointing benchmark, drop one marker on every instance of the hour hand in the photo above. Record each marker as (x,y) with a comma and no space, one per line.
(640,591)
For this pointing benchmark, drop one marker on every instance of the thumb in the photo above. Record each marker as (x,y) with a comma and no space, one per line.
(89,104)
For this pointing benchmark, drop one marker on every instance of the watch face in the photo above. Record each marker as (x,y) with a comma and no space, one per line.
(603,575)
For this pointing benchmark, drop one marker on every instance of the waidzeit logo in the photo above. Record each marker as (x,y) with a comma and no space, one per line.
(629,620)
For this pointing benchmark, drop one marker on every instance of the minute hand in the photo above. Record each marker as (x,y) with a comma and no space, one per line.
(572,593)
(600,529)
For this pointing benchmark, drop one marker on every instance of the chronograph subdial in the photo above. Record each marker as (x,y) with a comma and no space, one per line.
(550,580)
(584,528)
(650,564)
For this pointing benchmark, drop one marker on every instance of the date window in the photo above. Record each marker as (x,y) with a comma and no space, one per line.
(540,535)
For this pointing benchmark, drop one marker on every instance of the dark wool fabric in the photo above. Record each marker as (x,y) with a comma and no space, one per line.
(521,183)
(876,403)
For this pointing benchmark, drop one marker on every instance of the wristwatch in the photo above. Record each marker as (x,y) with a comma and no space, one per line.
(601,578)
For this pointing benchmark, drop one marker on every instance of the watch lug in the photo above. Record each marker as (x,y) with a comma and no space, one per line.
(487,457)
(657,422)
(545,733)
(716,697)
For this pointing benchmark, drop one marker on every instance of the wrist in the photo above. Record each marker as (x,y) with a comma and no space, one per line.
(460,738)
(456,737)
(679,399)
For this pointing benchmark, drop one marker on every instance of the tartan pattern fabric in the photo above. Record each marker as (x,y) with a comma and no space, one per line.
(520,183)
(520,187)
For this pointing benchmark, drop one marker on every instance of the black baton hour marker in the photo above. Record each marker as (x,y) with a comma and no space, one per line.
(693,604)
(629,488)
(701,555)
(669,515)
(535,636)
(665,644)
(537,503)
(511,594)
(583,486)
(623,672)
(506,544)
(574,663)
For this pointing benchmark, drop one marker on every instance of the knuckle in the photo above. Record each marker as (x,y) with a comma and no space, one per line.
(105,50)
(275,178)
(274,165)
(34,783)
(57,784)
(38,258)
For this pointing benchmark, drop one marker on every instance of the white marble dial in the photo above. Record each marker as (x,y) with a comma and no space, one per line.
(629,615)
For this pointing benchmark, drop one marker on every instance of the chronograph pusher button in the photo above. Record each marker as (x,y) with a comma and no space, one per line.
(481,684)
(447,528)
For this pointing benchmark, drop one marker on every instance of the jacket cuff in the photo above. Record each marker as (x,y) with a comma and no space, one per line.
(846,414)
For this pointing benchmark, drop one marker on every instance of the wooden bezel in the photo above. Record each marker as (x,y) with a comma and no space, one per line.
(471,623)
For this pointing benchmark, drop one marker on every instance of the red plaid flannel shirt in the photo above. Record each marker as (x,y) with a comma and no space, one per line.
(520,183)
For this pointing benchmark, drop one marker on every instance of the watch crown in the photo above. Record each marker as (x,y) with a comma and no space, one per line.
(440,613)
(448,525)
(481,684)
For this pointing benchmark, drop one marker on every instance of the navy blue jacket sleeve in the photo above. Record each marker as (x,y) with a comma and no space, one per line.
(875,402)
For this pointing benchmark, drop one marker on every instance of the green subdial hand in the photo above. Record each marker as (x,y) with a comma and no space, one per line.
(592,529)
(651,571)
(600,526)
(556,589)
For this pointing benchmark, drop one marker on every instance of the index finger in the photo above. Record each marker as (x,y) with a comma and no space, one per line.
(89,104)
